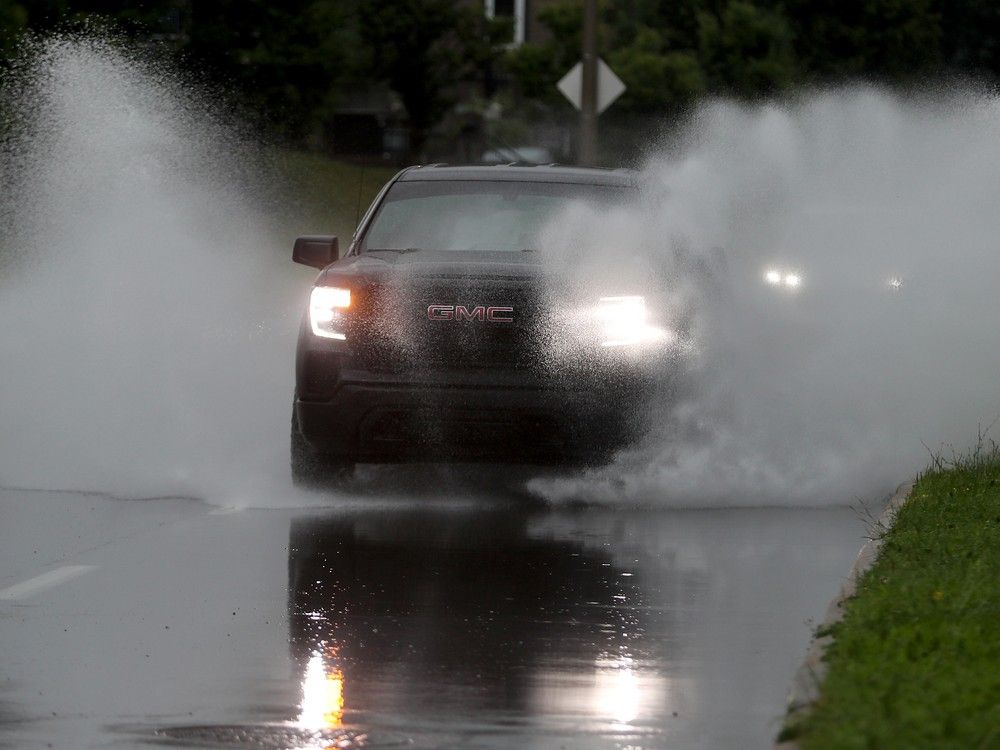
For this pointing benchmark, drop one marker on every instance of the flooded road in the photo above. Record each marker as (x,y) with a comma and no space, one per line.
(437,625)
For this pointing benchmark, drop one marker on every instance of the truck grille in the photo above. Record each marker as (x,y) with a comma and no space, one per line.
(393,332)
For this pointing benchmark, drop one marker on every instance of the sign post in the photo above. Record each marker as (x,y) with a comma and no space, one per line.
(591,93)
(588,91)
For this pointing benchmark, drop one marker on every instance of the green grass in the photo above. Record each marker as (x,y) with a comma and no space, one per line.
(915,663)
(331,195)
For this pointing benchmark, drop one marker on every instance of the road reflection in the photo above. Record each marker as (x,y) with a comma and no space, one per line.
(322,704)
(437,616)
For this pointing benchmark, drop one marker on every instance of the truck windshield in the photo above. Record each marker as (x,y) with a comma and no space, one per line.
(475,214)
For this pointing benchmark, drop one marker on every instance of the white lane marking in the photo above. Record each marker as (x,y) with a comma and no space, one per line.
(44,581)
(225,511)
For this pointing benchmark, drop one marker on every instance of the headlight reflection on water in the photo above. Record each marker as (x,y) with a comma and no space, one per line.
(617,693)
(322,704)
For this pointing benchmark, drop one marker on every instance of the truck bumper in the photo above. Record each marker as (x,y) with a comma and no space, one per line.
(383,422)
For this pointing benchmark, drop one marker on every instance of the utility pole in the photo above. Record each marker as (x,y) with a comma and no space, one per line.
(588,100)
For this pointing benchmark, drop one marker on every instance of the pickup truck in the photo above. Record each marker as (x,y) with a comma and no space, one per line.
(445,334)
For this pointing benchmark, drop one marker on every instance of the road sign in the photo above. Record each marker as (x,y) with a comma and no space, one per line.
(609,86)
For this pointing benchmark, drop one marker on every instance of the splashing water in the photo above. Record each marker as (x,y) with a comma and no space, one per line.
(147,320)
(821,390)
(148,310)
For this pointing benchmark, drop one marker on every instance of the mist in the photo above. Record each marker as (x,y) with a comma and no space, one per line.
(836,390)
(149,309)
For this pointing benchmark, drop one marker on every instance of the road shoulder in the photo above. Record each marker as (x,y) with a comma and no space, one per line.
(808,679)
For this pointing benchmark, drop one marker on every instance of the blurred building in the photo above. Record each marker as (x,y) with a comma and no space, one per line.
(523,15)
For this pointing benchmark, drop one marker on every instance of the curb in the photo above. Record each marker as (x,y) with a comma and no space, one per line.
(805,688)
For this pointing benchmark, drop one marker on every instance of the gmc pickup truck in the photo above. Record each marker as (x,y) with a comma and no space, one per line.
(444,333)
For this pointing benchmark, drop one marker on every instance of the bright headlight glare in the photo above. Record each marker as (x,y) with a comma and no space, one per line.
(326,306)
(780,277)
(624,321)
(622,310)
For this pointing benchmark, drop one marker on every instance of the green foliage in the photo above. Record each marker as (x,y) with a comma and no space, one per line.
(422,48)
(13,20)
(916,660)
(296,61)
(535,68)
(895,39)
(675,20)
(668,54)
(657,80)
(746,49)
(283,59)
(564,20)
(970,35)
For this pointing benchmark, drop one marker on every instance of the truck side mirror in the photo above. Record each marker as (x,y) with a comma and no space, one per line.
(317,251)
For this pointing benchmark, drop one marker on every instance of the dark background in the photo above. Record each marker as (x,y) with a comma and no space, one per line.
(404,80)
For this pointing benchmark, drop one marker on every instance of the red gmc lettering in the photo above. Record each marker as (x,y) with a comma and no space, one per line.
(500,314)
(462,313)
(479,312)
(441,312)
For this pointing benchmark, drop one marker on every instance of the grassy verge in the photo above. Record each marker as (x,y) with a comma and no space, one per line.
(331,194)
(916,660)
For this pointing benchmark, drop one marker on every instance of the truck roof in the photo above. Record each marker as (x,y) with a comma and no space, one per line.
(523,173)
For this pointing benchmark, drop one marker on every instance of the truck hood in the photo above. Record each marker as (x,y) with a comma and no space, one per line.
(438,264)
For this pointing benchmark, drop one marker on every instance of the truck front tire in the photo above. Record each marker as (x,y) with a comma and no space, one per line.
(316,470)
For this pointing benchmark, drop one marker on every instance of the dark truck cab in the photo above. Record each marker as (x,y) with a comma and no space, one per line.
(442,334)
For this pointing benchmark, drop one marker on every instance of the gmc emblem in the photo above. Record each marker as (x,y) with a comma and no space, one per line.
(479,312)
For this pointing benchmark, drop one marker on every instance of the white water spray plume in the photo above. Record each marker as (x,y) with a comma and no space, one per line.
(148,306)
(147,311)
(848,322)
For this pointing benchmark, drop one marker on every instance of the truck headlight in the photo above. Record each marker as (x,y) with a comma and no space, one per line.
(326,311)
(624,321)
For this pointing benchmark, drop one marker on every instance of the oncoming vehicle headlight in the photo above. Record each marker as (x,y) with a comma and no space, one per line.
(624,321)
(326,311)
(787,279)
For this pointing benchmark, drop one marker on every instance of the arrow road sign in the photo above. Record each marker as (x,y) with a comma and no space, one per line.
(609,86)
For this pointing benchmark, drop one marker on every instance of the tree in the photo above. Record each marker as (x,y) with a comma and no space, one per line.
(658,80)
(746,49)
(535,68)
(892,39)
(284,60)
(13,20)
(424,50)
(970,35)
(667,53)
(676,21)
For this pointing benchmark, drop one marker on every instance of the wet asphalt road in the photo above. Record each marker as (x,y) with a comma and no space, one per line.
(441,625)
